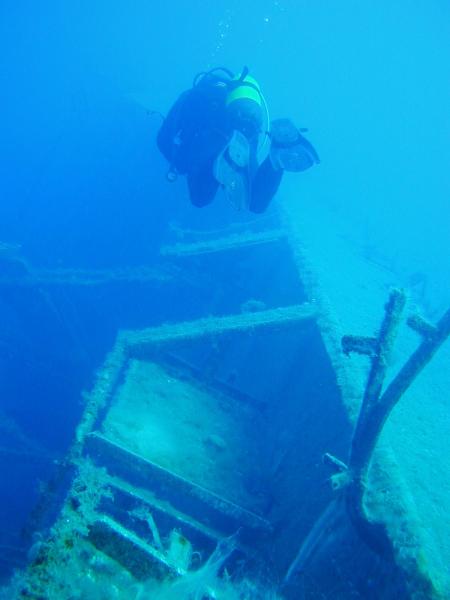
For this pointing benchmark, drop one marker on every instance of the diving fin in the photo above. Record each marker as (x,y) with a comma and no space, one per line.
(289,150)
(230,170)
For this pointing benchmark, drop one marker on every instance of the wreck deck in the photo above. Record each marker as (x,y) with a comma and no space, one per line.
(197,429)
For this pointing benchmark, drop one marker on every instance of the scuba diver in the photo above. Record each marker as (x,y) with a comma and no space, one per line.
(218,134)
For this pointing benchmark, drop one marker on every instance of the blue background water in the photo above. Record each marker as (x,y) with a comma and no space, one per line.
(82,184)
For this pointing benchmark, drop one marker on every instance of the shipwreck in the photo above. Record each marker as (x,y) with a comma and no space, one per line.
(280,441)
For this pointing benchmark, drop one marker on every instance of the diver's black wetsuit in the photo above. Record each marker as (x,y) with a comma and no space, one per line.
(196,130)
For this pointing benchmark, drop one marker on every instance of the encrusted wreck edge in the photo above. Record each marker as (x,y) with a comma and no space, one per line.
(397,514)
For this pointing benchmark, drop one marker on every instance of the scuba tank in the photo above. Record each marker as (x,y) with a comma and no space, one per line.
(218,87)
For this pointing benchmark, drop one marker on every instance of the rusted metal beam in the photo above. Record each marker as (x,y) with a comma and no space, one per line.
(87,277)
(350,481)
(230,242)
(211,326)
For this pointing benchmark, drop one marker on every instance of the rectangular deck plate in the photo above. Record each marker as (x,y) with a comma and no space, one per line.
(189,498)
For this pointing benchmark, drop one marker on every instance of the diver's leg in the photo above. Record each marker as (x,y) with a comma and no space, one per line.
(202,185)
(265,185)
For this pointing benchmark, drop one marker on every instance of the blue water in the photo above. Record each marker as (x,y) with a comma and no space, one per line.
(82,184)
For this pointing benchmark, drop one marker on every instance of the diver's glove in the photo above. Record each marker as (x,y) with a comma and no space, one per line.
(289,150)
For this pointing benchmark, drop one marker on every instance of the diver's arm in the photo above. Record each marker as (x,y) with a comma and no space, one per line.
(167,135)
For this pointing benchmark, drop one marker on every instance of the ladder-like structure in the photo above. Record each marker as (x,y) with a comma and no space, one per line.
(126,504)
